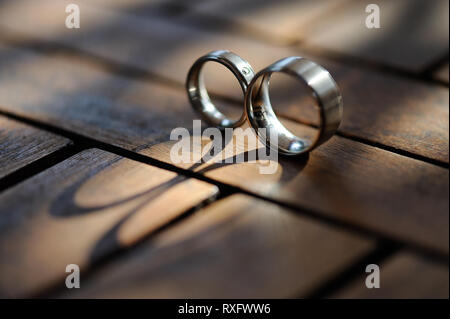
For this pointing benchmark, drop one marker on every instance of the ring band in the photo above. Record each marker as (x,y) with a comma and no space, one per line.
(261,115)
(198,95)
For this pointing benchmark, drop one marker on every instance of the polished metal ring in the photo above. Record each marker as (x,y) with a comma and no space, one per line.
(198,95)
(261,115)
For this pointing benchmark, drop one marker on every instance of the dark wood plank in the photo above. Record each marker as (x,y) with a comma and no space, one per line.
(365,186)
(362,185)
(158,45)
(81,210)
(404,275)
(381,108)
(396,112)
(22,144)
(413,33)
(278,21)
(144,8)
(238,247)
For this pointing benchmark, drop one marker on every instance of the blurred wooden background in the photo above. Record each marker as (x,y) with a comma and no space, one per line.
(86,177)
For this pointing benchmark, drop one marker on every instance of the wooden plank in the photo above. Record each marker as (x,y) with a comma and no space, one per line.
(158,45)
(82,210)
(144,8)
(384,109)
(412,33)
(365,186)
(80,97)
(22,144)
(238,247)
(127,4)
(404,275)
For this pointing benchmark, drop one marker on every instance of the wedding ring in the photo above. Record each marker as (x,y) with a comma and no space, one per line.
(261,115)
(198,95)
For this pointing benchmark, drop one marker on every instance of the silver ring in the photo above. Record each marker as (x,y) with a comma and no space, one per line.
(261,115)
(198,95)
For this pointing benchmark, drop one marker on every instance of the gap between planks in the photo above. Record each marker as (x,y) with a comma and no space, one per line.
(85,142)
(91,270)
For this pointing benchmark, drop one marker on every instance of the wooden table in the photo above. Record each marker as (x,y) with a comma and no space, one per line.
(86,177)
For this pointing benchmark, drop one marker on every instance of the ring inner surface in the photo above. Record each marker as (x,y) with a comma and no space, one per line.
(265,117)
(208,106)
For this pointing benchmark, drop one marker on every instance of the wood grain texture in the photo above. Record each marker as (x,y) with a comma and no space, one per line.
(362,185)
(159,45)
(365,186)
(238,247)
(404,275)
(22,144)
(381,108)
(279,21)
(143,8)
(82,210)
(442,73)
(396,112)
(412,33)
